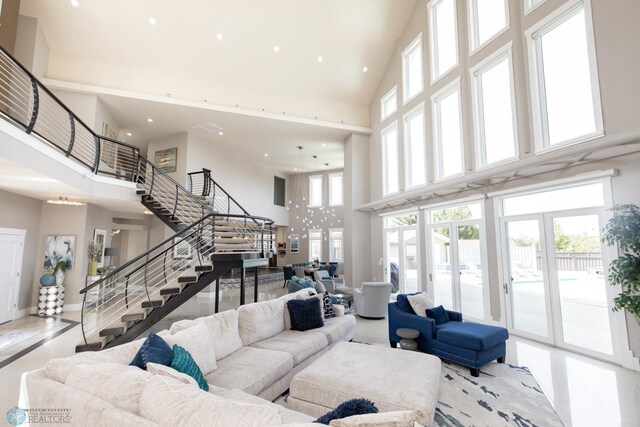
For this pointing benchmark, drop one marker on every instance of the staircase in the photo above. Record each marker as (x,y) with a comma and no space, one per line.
(213,233)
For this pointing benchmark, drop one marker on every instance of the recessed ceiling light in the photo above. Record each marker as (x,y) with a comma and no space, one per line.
(324,145)
(147,212)
(365,69)
(266,154)
(221,133)
(150,120)
(75,3)
(219,36)
(295,169)
(129,134)
(152,20)
(320,59)
(276,49)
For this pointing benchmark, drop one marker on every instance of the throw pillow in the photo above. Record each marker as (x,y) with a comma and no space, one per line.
(439,314)
(168,371)
(154,349)
(320,288)
(403,302)
(420,302)
(183,362)
(326,278)
(305,314)
(328,306)
(347,409)
(199,343)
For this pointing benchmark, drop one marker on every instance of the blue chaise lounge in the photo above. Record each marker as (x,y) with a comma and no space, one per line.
(469,344)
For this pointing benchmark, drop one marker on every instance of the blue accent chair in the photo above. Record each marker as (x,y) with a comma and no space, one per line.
(332,269)
(296,283)
(469,344)
(288,274)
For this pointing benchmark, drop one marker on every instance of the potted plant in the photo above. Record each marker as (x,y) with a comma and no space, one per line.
(94,252)
(623,229)
(58,272)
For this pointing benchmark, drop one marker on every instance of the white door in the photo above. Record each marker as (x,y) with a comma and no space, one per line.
(11,246)
(401,259)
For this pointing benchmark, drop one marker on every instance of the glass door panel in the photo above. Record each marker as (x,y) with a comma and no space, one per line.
(581,283)
(441,267)
(527,290)
(410,264)
(393,258)
(470,268)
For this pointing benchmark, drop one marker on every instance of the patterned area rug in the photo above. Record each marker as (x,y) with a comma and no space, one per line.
(11,339)
(503,395)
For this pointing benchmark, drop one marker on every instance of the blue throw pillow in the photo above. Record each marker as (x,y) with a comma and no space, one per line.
(183,362)
(326,278)
(154,350)
(305,314)
(439,314)
(347,409)
(403,302)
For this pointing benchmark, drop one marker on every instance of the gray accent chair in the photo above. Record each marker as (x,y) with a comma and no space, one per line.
(334,285)
(372,299)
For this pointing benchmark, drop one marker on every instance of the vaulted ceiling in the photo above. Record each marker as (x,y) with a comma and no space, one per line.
(254,57)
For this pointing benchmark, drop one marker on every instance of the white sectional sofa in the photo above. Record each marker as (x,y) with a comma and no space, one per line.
(256,356)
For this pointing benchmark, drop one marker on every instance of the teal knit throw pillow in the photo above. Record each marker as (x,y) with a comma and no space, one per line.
(183,362)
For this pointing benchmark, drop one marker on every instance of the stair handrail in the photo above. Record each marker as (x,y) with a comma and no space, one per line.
(207,177)
(68,151)
(182,233)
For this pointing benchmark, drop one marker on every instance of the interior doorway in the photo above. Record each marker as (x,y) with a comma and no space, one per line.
(11,250)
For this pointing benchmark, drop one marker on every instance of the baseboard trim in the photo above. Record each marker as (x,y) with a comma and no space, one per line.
(72,307)
(26,312)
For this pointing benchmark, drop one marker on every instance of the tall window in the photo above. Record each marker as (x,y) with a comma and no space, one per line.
(486,19)
(444,39)
(566,97)
(335,189)
(315,244)
(390,180)
(389,103)
(447,131)
(529,5)
(315,191)
(412,69)
(414,148)
(335,245)
(494,108)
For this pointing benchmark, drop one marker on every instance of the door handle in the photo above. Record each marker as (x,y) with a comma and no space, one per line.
(430,277)
(506,288)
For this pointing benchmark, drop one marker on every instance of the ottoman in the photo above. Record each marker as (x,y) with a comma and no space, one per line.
(393,379)
(470,344)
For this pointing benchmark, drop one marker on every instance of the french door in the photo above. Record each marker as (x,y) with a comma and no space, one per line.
(555,288)
(456,266)
(401,258)
(11,247)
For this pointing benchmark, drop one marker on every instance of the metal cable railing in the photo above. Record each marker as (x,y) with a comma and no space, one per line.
(206,188)
(27,103)
(142,279)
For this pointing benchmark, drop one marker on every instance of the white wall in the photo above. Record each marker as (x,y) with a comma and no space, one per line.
(178,140)
(23,213)
(249,182)
(32,49)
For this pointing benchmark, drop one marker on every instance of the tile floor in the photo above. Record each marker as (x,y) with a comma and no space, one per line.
(584,392)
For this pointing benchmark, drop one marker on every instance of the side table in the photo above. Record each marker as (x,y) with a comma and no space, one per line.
(408,341)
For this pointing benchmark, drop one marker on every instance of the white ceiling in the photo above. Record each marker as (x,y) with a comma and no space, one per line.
(110,49)
(250,135)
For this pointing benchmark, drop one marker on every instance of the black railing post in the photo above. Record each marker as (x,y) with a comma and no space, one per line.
(153,179)
(96,163)
(175,204)
(190,183)
(206,183)
(36,106)
(72,138)
(139,164)
(134,155)
(228,204)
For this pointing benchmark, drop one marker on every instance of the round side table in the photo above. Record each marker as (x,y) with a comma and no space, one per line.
(408,341)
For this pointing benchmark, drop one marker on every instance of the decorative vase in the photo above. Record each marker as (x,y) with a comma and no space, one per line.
(59,277)
(47,280)
(93,271)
